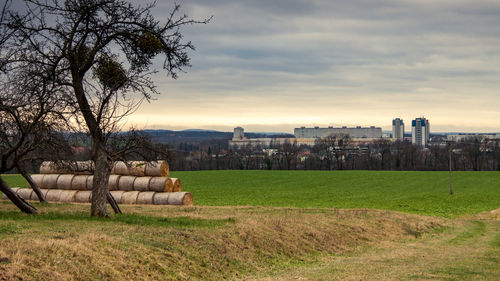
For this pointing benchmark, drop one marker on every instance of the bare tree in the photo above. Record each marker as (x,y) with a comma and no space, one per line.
(287,153)
(326,148)
(31,112)
(101,52)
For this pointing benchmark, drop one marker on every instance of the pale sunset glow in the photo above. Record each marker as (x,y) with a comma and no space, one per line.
(273,66)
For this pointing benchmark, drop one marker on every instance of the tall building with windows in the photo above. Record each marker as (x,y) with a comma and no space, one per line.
(238,133)
(398,129)
(420,132)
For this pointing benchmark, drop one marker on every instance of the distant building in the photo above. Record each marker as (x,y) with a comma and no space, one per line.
(240,141)
(420,131)
(239,133)
(355,133)
(398,129)
(471,137)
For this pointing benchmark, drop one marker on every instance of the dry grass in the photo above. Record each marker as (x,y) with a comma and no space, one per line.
(210,243)
(467,250)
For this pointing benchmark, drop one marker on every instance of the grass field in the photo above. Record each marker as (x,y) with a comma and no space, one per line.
(270,225)
(187,243)
(414,192)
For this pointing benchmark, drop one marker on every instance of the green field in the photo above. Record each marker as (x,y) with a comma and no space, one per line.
(328,237)
(414,192)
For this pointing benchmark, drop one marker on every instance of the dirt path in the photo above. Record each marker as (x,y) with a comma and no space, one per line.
(468,250)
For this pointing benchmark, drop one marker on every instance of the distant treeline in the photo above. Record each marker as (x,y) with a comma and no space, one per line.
(332,153)
(339,154)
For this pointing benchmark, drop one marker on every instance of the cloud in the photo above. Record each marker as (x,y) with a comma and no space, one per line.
(291,61)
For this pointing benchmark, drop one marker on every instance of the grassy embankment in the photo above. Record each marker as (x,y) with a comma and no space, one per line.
(212,243)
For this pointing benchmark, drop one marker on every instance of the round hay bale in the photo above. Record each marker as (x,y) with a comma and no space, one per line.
(50,181)
(120,168)
(38,179)
(145,197)
(46,167)
(15,189)
(161,198)
(157,169)
(113,182)
(137,168)
(180,198)
(83,196)
(25,193)
(170,185)
(68,195)
(64,181)
(129,197)
(35,197)
(79,182)
(53,195)
(84,167)
(126,183)
(177,186)
(90,182)
(117,194)
(67,167)
(142,183)
(49,167)
(159,184)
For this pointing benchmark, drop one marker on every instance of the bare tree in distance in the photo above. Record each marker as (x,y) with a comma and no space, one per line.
(101,51)
(326,148)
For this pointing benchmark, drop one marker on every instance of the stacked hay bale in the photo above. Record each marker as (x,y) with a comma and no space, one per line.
(135,182)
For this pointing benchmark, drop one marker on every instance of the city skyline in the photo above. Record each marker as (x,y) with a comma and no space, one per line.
(276,66)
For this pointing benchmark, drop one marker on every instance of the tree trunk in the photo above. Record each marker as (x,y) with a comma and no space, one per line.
(32,183)
(113,203)
(24,206)
(100,184)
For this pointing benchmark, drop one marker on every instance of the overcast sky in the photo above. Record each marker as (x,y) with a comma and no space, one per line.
(276,65)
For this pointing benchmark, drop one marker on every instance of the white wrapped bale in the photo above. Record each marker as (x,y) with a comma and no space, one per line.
(142,183)
(129,197)
(145,197)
